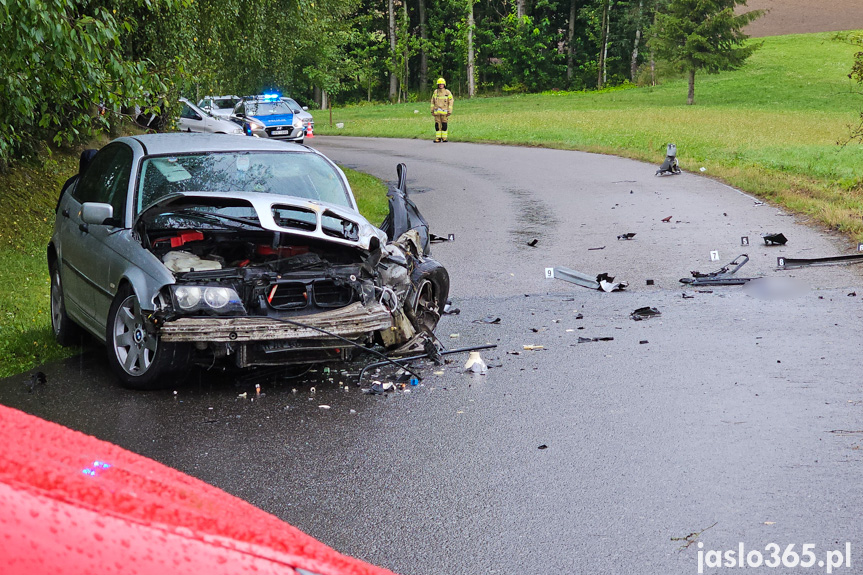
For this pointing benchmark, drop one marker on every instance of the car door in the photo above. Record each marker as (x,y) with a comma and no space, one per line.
(87,254)
(190,120)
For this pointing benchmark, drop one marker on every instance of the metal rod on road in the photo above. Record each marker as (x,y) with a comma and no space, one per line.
(413,357)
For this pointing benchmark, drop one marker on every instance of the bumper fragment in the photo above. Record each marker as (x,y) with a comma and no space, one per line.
(354,320)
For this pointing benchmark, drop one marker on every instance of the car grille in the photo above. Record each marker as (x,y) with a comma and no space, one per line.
(289,295)
(327,294)
(323,293)
(289,129)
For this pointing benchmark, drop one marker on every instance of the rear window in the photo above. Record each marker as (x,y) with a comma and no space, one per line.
(305,176)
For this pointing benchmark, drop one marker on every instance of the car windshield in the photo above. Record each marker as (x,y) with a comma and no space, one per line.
(266,108)
(225,103)
(299,175)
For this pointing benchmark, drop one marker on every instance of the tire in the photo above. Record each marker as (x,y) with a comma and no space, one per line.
(428,296)
(138,358)
(66,331)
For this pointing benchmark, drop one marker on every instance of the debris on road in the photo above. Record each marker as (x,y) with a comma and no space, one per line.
(532,243)
(594,249)
(668,219)
(532,347)
(379,388)
(602,281)
(589,339)
(649,282)
(448,309)
(488,319)
(645,313)
(543,446)
(789,263)
(475,364)
(686,296)
(670,165)
(774,239)
(724,276)
(643,341)
(626,236)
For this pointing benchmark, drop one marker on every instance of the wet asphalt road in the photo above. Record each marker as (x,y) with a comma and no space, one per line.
(742,411)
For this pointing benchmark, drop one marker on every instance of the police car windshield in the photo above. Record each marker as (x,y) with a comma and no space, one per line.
(225,103)
(254,108)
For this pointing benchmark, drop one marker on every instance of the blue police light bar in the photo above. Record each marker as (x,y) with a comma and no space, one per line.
(271,96)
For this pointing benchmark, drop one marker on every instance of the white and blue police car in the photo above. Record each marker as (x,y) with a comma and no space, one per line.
(267,116)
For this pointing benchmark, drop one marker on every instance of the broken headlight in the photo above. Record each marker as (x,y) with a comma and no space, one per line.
(219,299)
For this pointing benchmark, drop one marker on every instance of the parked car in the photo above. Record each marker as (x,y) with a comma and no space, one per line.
(302,112)
(194,119)
(220,105)
(74,504)
(176,249)
(267,116)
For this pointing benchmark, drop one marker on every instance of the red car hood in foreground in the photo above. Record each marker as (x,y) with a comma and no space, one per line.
(70,503)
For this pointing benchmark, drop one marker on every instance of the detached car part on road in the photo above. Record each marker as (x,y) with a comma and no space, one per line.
(196,248)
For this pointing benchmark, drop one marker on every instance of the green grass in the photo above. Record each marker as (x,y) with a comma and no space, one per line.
(770,128)
(28,194)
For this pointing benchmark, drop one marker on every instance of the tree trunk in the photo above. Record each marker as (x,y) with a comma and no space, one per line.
(633,65)
(394,80)
(471,82)
(317,97)
(690,98)
(600,73)
(325,102)
(424,59)
(406,82)
(605,44)
(519,8)
(570,67)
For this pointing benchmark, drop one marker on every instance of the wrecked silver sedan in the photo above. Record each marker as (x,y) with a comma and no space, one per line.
(181,249)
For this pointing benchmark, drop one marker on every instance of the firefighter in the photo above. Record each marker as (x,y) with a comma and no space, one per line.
(441,108)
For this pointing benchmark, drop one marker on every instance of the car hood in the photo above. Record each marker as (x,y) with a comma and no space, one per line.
(264,204)
(274,119)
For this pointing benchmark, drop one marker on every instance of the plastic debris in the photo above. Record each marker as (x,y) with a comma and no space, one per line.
(589,339)
(645,313)
(414,382)
(532,347)
(668,219)
(722,276)
(649,282)
(532,243)
(488,319)
(543,446)
(602,281)
(626,236)
(379,388)
(324,407)
(454,335)
(643,341)
(475,364)
(594,249)
(243,395)
(774,239)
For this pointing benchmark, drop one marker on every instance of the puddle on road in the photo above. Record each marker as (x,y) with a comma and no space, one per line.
(534,220)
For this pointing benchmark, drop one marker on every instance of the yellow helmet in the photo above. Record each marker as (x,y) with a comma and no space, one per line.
(441,81)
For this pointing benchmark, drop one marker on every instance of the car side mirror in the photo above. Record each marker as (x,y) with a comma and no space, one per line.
(305,108)
(97,213)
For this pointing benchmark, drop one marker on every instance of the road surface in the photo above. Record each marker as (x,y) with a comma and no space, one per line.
(734,417)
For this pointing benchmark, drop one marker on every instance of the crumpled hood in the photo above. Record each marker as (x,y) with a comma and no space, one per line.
(275,119)
(358,231)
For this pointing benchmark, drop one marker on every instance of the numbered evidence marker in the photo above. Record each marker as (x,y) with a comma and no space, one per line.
(549,273)
(860,247)
(451,237)
(744,241)
(780,262)
(714,256)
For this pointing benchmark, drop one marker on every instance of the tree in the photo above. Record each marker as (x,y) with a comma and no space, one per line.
(704,35)
(856,74)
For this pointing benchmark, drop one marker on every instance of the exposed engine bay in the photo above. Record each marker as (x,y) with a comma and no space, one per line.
(290,282)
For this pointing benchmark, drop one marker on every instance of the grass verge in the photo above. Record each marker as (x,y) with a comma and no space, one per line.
(770,128)
(28,193)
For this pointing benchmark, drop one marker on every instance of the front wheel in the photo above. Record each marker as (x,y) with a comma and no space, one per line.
(137,357)
(66,332)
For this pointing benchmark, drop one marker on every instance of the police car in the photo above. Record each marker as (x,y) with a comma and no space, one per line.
(267,116)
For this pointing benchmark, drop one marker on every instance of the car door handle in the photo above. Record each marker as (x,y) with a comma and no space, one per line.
(65,213)
(84,228)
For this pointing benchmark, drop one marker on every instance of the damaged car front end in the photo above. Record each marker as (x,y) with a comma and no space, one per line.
(257,256)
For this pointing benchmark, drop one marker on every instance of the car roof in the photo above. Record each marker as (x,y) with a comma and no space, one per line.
(182,142)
